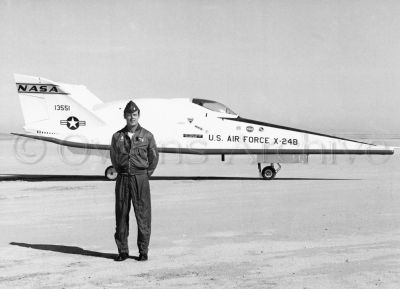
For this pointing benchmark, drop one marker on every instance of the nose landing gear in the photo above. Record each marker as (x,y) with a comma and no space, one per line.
(269,172)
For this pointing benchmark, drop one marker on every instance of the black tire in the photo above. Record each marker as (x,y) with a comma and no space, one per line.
(110,173)
(268,173)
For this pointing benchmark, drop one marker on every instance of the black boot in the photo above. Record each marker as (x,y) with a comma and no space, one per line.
(143,257)
(121,257)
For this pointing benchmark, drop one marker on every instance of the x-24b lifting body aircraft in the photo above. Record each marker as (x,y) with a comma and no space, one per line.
(70,115)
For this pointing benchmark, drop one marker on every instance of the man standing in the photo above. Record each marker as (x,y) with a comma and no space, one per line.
(134,156)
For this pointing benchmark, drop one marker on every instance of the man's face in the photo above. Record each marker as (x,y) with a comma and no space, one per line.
(132,119)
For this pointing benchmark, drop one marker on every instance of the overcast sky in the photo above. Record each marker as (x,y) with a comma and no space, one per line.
(330,66)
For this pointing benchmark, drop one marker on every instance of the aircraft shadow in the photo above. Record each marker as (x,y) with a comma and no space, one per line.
(197,178)
(315,179)
(52,178)
(66,250)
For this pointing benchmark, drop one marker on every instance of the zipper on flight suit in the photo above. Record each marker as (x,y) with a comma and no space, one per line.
(129,154)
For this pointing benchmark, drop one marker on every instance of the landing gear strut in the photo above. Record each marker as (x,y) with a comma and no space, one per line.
(269,172)
(111,174)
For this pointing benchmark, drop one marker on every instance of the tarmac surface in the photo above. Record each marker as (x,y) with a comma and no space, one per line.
(328,224)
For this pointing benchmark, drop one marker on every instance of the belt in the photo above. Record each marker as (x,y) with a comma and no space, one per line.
(141,172)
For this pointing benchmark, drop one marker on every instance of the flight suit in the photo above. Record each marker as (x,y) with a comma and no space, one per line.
(135,161)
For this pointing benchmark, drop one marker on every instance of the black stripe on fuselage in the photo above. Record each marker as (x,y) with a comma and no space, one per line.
(220,151)
(275,151)
(65,142)
(250,121)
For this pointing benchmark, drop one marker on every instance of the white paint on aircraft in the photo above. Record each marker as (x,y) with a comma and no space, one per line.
(71,115)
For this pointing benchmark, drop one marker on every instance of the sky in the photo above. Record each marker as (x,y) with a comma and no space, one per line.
(328,66)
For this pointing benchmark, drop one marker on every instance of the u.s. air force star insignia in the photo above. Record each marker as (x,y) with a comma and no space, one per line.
(73,122)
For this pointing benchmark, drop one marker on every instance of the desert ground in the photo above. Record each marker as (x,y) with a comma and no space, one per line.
(333,223)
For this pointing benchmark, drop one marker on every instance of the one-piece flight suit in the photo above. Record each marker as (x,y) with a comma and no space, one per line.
(135,161)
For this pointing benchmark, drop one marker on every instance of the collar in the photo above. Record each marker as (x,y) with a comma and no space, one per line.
(125,129)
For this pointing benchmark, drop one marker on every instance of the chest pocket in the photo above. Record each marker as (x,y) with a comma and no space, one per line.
(139,143)
(123,145)
(139,152)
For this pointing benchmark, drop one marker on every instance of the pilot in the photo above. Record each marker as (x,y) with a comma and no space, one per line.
(134,156)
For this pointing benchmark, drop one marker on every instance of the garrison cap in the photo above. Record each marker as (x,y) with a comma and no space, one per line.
(131,107)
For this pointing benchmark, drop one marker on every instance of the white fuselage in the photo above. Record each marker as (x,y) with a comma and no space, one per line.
(181,124)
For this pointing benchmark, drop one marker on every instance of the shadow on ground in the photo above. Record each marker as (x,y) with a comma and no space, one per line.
(65,249)
(200,178)
(54,178)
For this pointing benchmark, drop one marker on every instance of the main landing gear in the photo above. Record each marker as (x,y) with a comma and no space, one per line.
(269,172)
(111,174)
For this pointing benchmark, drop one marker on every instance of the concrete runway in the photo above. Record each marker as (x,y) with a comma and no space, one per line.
(320,225)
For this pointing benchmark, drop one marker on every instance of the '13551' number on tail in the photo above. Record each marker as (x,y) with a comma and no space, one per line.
(63,107)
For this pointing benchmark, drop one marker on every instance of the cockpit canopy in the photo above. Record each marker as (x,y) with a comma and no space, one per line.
(213,105)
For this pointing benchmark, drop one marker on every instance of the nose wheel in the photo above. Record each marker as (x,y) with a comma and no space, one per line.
(268,172)
(111,174)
